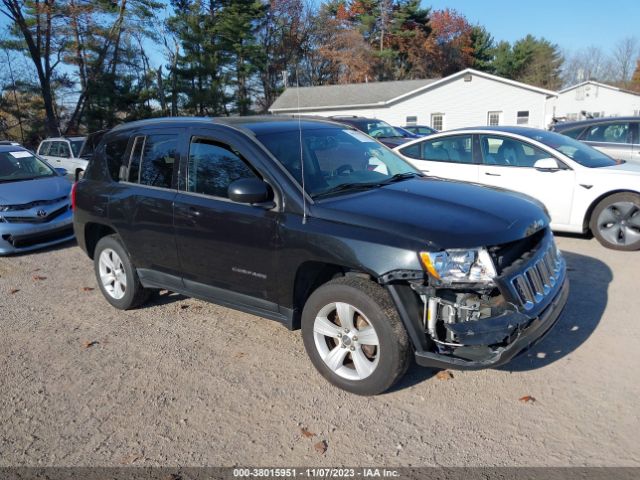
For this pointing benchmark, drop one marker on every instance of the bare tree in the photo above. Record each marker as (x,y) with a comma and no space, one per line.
(37,27)
(590,63)
(624,56)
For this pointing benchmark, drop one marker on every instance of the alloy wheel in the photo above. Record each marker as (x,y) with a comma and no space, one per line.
(346,341)
(619,223)
(112,273)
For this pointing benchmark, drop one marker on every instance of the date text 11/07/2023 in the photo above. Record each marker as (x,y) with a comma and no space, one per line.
(316,472)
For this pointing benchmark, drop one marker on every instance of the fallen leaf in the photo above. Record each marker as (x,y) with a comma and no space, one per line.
(88,344)
(87,289)
(239,355)
(527,399)
(35,270)
(184,307)
(321,447)
(13,291)
(307,433)
(129,459)
(444,375)
(39,277)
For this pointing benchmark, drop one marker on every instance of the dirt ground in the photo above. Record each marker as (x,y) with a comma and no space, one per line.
(183,382)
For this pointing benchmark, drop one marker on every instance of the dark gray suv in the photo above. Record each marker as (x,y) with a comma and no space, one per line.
(618,137)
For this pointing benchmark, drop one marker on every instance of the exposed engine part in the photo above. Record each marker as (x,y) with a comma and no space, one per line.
(454,309)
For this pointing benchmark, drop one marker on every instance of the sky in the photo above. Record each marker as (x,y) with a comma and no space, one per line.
(571,24)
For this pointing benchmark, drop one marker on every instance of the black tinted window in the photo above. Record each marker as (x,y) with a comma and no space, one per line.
(114,150)
(573,132)
(158,159)
(213,167)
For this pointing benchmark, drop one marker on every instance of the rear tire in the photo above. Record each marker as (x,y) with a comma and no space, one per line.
(354,336)
(615,221)
(116,275)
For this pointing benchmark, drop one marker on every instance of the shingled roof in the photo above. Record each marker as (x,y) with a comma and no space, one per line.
(352,94)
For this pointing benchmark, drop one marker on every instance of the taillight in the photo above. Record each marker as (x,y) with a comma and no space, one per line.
(73,195)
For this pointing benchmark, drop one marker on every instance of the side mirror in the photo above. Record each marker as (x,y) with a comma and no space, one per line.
(251,190)
(61,171)
(546,164)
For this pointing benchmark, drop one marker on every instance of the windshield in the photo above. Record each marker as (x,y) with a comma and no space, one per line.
(379,129)
(22,165)
(575,150)
(76,145)
(335,159)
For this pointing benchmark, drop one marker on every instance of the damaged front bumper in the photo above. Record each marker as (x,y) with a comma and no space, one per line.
(532,293)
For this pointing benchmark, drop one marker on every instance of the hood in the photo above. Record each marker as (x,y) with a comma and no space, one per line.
(45,188)
(440,213)
(622,168)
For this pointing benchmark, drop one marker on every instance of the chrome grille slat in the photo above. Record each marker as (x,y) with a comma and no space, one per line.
(535,283)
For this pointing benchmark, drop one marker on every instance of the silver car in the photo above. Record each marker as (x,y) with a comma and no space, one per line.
(64,152)
(35,204)
(618,137)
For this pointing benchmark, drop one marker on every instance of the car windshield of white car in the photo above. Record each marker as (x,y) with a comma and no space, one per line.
(22,165)
(577,151)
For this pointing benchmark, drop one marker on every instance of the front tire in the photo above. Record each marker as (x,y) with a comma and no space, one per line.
(615,221)
(116,275)
(354,336)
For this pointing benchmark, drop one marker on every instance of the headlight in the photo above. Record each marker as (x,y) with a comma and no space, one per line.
(459,266)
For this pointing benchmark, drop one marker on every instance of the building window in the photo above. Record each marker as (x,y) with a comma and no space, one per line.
(493,118)
(437,121)
(523,117)
(412,120)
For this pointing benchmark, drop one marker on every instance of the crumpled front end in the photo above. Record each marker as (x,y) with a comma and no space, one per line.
(468,326)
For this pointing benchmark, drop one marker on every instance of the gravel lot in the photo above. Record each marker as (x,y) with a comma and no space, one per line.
(183,382)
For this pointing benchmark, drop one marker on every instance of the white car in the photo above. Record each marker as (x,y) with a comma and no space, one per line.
(64,152)
(583,189)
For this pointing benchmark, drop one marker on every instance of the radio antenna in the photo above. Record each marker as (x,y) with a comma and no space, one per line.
(304,191)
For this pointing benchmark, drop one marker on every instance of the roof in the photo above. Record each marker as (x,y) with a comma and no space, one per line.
(375,94)
(598,84)
(12,148)
(256,124)
(592,121)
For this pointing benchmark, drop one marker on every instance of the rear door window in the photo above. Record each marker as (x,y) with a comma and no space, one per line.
(457,149)
(159,157)
(618,132)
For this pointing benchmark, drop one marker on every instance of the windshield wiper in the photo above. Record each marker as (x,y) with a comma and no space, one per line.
(398,177)
(347,186)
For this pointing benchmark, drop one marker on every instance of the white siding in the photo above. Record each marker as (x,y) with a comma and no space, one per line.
(464,104)
(596,98)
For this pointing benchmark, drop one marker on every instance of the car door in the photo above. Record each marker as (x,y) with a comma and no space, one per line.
(612,138)
(446,157)
(64,154)
(635,135)
(509,163)
(141,204)
(226,249)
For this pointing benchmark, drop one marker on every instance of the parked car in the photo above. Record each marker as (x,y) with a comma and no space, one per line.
(378,129)
(9,142)
(420,130)
(34,202)
(375,264)
(64,152)
(618,137)
(582,188)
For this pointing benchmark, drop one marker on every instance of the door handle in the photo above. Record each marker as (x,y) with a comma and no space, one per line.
(193,212)
(492,174)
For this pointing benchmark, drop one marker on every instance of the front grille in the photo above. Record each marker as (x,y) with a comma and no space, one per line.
(30,240)
(48,218)
(27,206)
(535,283)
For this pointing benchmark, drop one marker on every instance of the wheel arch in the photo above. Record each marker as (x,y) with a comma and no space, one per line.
(310,276)
(93,232)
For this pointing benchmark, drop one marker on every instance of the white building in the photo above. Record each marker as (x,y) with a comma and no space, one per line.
(467,98)
(597,100)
